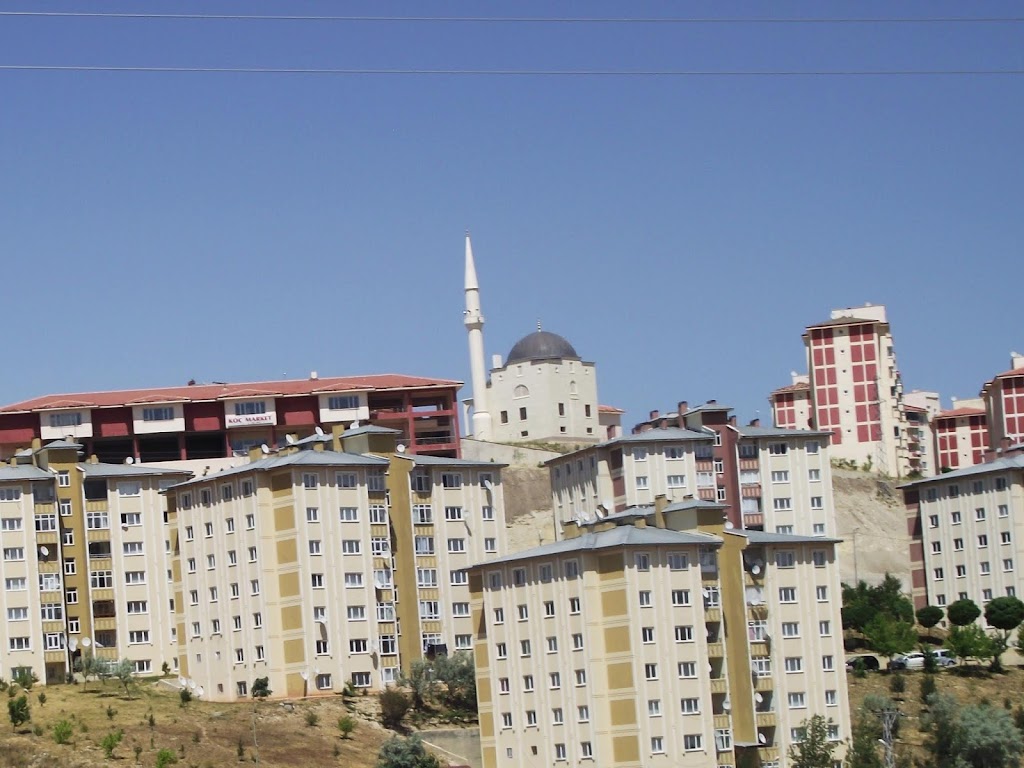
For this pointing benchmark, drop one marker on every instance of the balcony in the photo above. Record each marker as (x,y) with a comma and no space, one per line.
(96,505)
(753,520)
(766,719)
(763,684)
(758,648)
(719,685)
(750,490)
(712,614)
(716,650)
(722,721)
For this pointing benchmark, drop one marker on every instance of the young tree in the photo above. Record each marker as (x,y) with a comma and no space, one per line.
(393,706)
(407,753)
(123,671)
(863,752)
(18,711)
(963,612)
(421,682)
(929,616)
(110,742)
(346,724)
(861,603)
(970,737)
(88,666)
(1005,614)
(458,674)
(969,642)
(814,750)
(888,636)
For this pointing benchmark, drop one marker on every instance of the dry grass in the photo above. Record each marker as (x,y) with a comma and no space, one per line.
(201,734)
(1002,690)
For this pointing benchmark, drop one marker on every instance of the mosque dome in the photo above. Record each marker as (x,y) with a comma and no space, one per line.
(541,345)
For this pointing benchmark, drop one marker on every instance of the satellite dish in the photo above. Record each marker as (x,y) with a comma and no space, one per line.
(726,704)
(600,513)
(488,485)
(354,424)
(129,460)
(316,670)
(728,525)
(200,690)
(607,504)
(265,448)
(400,448)
(182,681)
(758,698)
(761,738)
(319,431)
(44,551)
(73,644)
(192,684)
(86,642)
(755,569)
(290,439)
(706,592)
(304,675)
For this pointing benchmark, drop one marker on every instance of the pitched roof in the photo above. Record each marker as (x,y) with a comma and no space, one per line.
(1010,373)
(23,472)
(999,465)
(296,459)
(198,392)
(619,536)
(800,386)
(766,537)
(960,412)
(100,470)
(749,431)
(370,429)
(421,460)
(658,435)
(609,409)
(837,321)
(914,408)
(63,444)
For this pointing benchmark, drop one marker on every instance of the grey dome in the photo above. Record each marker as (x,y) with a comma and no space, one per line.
(541,345)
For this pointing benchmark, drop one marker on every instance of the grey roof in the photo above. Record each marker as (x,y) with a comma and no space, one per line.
(24,472)
(676,506)
(297,459)
(370,429)
(63,444)
(749,431)
(648,510)
(99,470)
(541,345)
(619,536)
(999,465)
(421,460)
(765,537)
(708,407)
(661,434)
(313,440)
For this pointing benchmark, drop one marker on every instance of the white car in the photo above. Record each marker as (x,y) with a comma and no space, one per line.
(915,660)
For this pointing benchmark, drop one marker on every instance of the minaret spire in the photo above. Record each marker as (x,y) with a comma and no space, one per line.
(474,321)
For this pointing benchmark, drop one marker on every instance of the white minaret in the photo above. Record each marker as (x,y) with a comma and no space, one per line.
(475,327)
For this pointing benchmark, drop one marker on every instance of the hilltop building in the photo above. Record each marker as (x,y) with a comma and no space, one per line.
(854,390)
(206,421)
(658,637)
(1004,405)
(543,392)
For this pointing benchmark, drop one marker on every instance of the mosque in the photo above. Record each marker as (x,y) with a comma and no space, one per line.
(543,392)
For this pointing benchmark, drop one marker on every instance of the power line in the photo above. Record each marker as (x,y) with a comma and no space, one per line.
(516,19)
(518,72)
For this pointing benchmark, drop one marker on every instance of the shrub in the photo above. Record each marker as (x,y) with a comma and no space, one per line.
(928,687)
(42,698)
(897,683)
(312,718)
(165,757)
(346,724)
(37,729)
(185,695)
(137,749)
(111,712)
(18,711)
(393,706)
(151,720)
(62,731)
(261,688)
(110,742)
(26,678)
(963,612)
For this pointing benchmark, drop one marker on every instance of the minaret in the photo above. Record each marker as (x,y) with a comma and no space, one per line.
(475,327)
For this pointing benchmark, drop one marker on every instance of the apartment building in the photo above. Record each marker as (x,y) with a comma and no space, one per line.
(1003,396)
(791,404)
(290,566)
(961,435)
(86,562)
(658,637)
(966,532)
(208,421)
(765,478)
(855,389)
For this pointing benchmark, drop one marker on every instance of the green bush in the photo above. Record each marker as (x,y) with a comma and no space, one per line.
(346,724)
(312,718)
(185,695)
(897,683)
(928,687)
(393,706)
(165,757)
(63,731)
(110,742)
(18,711)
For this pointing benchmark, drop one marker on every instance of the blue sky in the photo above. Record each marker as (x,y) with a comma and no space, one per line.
(680,232)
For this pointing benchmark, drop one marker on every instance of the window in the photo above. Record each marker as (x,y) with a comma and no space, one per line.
(97,520)
(1004,510)
(487,512)
(785,559)
(817,502)
(955,518)
(456,546)
(137,636)
(14,553)
(581,677)
(657,744)
(429,609)
(524,648)
(778,449)
(641,482)
(250,522)
(979,513)
(451,480)
(583,714)
(686,669)
(985,567)
(586,748)
(342,402)
(961,571)
(938,574)
(1007,564)
(97,579)
(780,476)
(574,606)
(48,612)
(693,742)
(426,577)
(554,680)
(1004,537)
(21,614)
(559,748)
(20,644)
(782,504)
(358,645)
(460,609)
(790,629)
(322,647)
(677,561)
(680,597)
(794,664)
(814,475)
(351,546)
(821,593)
(958,545)
(424,545)
(10,524)
(135,577)
(572,569)
(645,598)
(313,513)
(63,479)
(828,663)
(933,521)
(677,481)
(254,587)
(787,594)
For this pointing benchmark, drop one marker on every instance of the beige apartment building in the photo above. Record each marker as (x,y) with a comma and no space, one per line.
(86,562)
(658,637)
(290,566)
(855,390)
(967,532)
(771,479)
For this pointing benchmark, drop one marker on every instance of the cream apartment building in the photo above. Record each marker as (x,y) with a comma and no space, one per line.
(658,638)
(290,567)
(967,532)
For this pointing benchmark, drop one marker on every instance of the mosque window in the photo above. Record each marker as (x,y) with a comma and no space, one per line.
(521,391)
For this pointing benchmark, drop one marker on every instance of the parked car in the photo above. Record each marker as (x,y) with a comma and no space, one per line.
(915,660)
(866,661)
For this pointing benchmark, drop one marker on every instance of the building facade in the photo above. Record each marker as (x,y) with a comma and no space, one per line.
(1004,405)
(658,638)
(966,532)
(86,563)
(207,421)
(855,390)
(961,435)
(290,567)
(764,478)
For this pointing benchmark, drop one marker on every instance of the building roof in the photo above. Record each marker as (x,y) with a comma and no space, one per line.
(749,431)
(619,536)
(296,459)
(370,429)
(420,460)
(999,465)
(541,345)
(708,406)
(1010,373)
(660,434)
(23,472)
(914,408)
(838,321)
(63,444)
(960,412)
(766,537)
(801,386)
(609,409)
(206,392)
(100,470)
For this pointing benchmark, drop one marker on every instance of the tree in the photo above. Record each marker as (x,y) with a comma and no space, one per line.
(968,642)
(88,666)
(124,672)
(888,636)
(18,711)
(861,603)
(407,753)
(929,616)
(970,737)
(165,757)
(110,742)
(62,731)
(814,750)
(458,674)
(963,612)
(261,688)
(1005,614)
(420,682)
(393,706)
(863,752)
(346,724)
